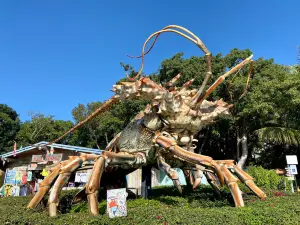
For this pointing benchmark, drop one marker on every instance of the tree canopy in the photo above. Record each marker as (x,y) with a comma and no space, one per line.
(42,128)
(9,127)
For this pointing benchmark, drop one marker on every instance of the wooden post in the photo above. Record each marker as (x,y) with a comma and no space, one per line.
(146,181)
(2,177)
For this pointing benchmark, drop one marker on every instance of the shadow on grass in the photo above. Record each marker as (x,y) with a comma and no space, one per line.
(204,196)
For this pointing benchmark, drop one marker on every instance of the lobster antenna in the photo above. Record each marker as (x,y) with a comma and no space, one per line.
(192,37)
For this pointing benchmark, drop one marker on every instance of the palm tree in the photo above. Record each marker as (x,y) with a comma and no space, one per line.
(279,135)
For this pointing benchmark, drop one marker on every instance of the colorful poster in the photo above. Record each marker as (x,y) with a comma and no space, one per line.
(9,190)
(15,191)
(24,178)
(10,176)
(116,202)
(18,177)
(29,176)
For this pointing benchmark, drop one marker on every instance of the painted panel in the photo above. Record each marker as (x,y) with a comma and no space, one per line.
(164,180)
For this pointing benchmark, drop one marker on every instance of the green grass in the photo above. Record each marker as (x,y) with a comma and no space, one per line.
(164,207)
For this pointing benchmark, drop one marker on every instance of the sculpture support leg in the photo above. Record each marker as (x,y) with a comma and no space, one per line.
(45,185)
(93,185)
(62,179)
(65,167)
(108,159)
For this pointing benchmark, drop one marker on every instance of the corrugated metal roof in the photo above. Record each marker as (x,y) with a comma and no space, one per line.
(66,147)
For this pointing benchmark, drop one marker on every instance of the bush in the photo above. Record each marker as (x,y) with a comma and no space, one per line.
(165,207)
(268,179)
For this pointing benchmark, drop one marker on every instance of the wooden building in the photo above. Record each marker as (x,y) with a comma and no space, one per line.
(29,165)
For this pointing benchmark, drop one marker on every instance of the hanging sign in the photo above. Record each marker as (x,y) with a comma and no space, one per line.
(54,157)
(116,202)
(37,158)
(82,176)
(47,158)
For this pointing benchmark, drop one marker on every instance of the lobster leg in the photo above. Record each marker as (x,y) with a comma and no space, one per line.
(193,177)
(213,182)
(243,176)
(93,185)
(188,176)
(220,167)
(171,173)
(197,177)
(248,180)
(231,182)
(171,145)
(45,185)
(108,159)
(63,178)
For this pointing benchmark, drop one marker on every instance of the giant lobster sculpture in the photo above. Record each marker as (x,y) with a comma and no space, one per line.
(162,135)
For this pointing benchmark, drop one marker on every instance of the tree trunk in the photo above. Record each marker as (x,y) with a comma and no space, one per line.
(106,138)
(238,142)
(244,146)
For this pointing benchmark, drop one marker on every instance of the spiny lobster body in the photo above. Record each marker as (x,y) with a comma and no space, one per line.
(162,135)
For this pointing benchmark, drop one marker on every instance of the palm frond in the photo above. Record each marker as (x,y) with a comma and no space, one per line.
(279,135)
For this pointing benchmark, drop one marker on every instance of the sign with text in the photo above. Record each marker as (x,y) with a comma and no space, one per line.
(293,169)
(46,158)
(82,176)
(37,158)
(116,202)
(54,157)
(291,159)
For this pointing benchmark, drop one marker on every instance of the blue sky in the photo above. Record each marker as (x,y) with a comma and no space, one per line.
(56,54)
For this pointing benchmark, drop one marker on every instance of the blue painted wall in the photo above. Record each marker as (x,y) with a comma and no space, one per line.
(164,180)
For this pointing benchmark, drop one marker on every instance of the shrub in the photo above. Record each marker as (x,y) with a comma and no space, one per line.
(268,179)
(197,207)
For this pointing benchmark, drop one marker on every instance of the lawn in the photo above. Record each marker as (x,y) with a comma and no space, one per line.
(165,206)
